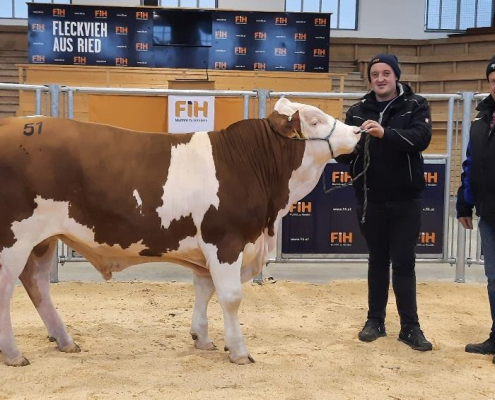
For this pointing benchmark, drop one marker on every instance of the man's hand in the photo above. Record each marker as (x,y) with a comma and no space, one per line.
(373,128)
(466,222)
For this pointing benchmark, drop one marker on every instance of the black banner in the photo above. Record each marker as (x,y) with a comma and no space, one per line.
(88,35)
(270,41)
(327,225)
(123,36)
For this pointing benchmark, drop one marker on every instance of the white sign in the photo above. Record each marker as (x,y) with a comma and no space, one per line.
(191,113)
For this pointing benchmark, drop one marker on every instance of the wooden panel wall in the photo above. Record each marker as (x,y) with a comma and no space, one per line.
(149,113)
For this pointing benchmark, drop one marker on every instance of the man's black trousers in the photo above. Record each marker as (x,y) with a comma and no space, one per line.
(391,230)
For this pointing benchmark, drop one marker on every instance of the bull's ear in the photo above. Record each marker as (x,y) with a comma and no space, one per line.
(286,125)
(312,116)
(284,106)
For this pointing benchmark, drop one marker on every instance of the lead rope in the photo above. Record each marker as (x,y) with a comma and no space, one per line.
(366,164)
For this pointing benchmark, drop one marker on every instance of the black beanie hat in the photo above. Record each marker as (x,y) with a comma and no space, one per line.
(389,59)
(490,67)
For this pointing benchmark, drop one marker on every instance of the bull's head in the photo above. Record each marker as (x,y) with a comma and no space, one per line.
(316,125)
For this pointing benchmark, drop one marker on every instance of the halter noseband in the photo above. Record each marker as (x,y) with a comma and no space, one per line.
(326,138)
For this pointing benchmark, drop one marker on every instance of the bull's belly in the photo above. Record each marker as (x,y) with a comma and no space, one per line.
(108,259)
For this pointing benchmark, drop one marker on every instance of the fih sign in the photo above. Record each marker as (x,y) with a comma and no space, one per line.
(323,225)
(191,114)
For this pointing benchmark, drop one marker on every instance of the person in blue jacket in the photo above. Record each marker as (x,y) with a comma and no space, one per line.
(477,191)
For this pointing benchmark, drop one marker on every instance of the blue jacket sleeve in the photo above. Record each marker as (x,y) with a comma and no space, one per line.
(465,199)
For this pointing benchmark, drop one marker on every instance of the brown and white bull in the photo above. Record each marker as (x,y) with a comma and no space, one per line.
(207,201)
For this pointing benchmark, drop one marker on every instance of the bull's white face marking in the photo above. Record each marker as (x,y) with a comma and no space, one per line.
(316,124)
(192,185)
(139,202)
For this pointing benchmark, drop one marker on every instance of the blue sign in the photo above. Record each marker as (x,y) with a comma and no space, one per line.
(326,224)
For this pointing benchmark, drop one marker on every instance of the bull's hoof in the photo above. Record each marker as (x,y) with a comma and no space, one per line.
(206,346)
(243,360)
(20,361)
(70,348)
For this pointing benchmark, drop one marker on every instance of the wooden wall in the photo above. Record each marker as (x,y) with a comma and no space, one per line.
(128,111)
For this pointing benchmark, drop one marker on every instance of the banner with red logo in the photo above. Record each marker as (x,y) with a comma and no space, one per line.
(262,41)
(90,35)
(151,37)
(326,225)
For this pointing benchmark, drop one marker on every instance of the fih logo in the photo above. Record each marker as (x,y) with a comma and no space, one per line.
(427,238)
(121,62)
(101,14)
(58,12)
(38,58)
(320,22)
(121,30)
(38,27)
(302,207)
(240,19)
(259,66)
(79,60)
(280,20)
(192,108)
(431,177)
(341,177)
(300,37)
(341,237)
(221,35)
(220,65)
(241,51)
(142,46)
(142,15)
(280,51)
(319,52)
(260,35)
(299,67)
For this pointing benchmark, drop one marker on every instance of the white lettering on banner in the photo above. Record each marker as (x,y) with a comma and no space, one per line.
(71,28)
(85,34)
(191,114)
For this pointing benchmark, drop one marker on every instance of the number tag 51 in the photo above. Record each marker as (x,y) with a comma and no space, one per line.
(29,129)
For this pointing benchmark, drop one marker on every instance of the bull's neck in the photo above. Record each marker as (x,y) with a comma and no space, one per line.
(306,177)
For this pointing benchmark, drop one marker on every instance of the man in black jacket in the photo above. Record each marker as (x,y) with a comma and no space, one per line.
(389,194)
(478,190)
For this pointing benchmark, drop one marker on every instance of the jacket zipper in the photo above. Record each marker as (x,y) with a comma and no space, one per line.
(410,170)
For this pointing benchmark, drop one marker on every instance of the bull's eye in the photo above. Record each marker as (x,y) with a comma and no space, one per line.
(314,121)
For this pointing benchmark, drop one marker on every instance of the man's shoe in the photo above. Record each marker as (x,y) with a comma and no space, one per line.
(372,330)
(487,347)
(413,336)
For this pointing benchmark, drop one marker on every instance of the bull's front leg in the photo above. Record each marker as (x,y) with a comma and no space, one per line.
(203,291)
(227,280)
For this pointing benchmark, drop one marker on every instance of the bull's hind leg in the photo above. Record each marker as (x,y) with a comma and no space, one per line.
(36,279)
(11,354)
(203,291)
(227,280)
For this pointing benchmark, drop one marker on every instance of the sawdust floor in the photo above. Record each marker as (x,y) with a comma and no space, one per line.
(135,344)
